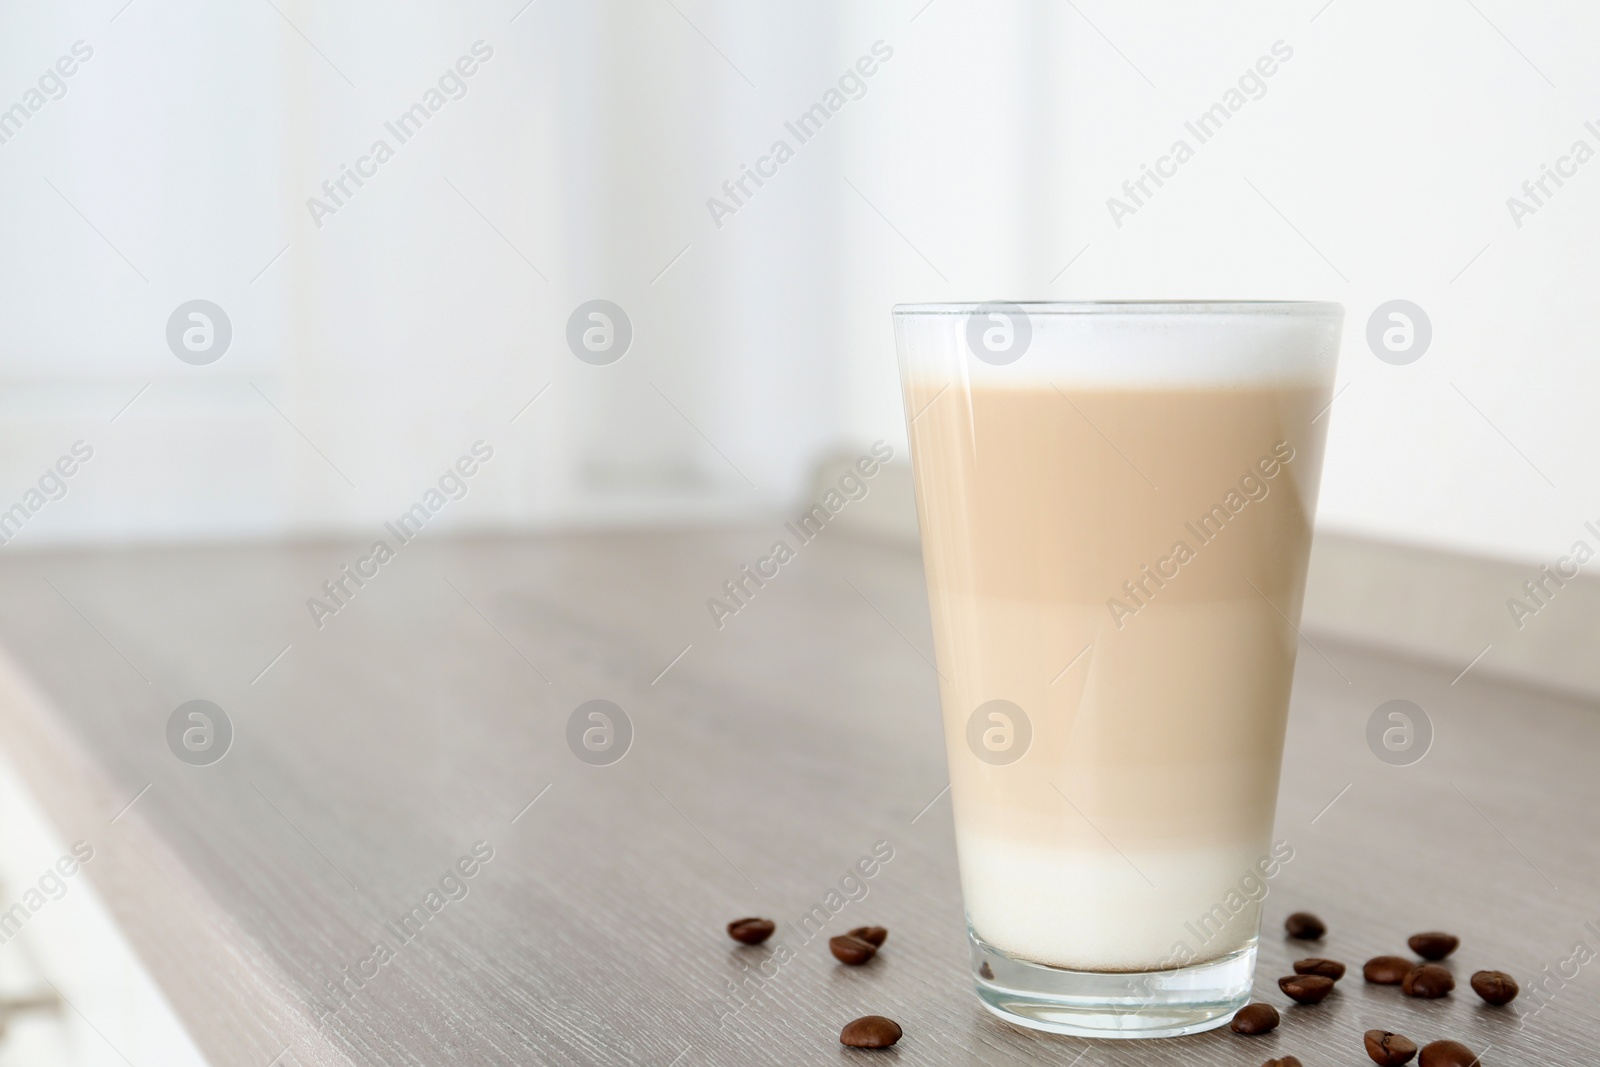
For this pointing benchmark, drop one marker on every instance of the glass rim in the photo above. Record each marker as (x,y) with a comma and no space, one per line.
(1298,308)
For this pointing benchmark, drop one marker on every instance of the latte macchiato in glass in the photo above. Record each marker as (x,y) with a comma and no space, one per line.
(1116,504)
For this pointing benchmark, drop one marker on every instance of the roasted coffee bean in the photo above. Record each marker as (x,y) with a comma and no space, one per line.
(1389,1049)
(876,934)
(1496,987)
(1317,965)
(1306,988)
(1255,1018)
(1283,1061)
(751,931)
(1433,945)
(852,950)
(1429,980)
(1305,926)
(1447,1054)
(985,971)
(1386,970)
(870,1031)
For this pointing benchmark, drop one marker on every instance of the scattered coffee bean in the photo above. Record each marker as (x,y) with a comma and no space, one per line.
(1305,926)
(870,1031)
(1389,1049)
(852,950)
(876,934)
(1317,965)
(986,971)
(1496,987)
(751,931)
(1255,1018)
(1429,980)
(1447,1054)
(1386,970)
(1306,988)
(1433,945)
(1283,1061)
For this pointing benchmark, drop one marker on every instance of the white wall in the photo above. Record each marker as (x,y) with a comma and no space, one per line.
(977,164)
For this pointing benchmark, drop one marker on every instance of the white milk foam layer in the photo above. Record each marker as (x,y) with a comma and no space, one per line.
(1144,346)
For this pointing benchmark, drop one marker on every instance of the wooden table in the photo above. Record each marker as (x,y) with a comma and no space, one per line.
(431,711)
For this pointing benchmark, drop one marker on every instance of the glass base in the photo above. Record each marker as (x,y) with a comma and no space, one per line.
(1187,1000)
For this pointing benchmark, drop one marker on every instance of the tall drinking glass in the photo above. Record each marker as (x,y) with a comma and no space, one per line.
(1116,504)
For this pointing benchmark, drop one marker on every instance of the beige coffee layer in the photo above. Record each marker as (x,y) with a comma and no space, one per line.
(1064,494)
(1163,735)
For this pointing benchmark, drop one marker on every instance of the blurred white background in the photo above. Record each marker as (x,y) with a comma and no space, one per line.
(372,350)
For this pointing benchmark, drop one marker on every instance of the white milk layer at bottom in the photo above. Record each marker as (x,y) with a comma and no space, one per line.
(1102,911)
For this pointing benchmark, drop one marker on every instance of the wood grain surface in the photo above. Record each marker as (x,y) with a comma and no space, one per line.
(373,753)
